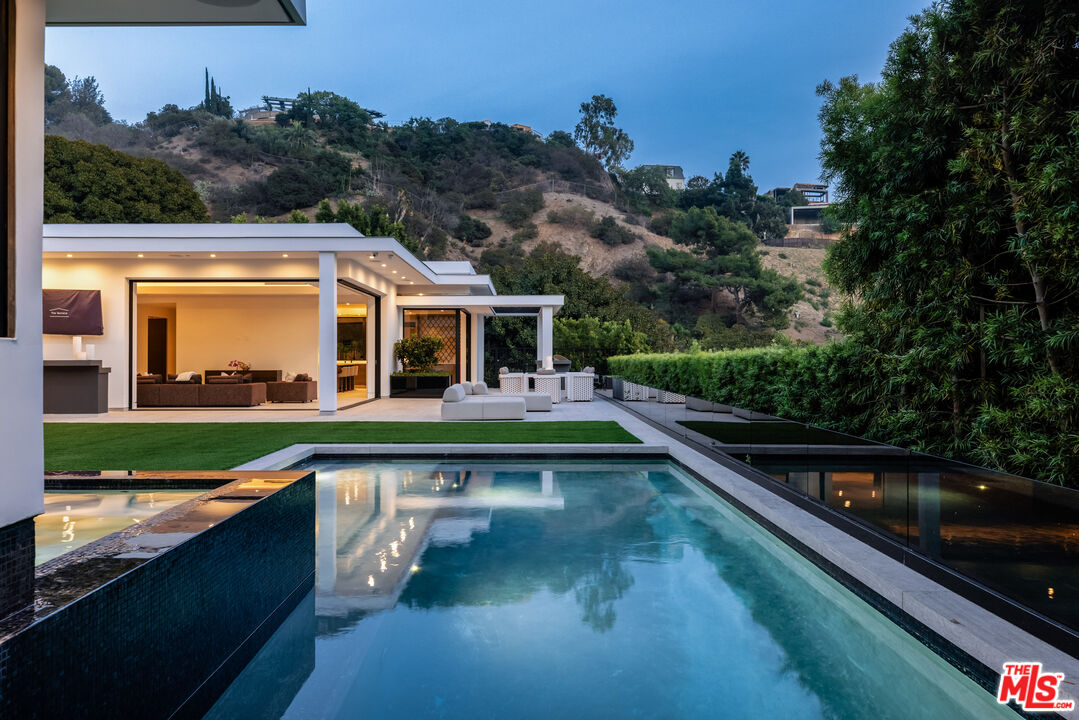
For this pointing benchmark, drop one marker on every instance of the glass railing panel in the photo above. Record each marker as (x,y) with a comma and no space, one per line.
(1014,535)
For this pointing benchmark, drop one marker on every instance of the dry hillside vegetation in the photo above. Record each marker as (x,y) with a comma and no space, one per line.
(820,301)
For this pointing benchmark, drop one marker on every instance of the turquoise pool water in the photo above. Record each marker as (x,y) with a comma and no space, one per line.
(574,590)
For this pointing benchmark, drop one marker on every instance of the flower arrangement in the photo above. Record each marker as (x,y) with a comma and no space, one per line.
(239,365)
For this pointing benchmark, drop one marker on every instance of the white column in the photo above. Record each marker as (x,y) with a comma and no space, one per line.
(372,361)
(327,333)
(391,333)
(545,333)
(477,347)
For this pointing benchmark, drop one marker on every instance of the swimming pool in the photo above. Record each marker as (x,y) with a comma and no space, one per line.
(73,518)
(574,589)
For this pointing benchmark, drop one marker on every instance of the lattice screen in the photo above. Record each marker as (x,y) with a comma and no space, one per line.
(440,326)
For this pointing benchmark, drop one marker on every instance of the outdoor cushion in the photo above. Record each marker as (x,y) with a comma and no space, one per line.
(225,380)
(463,409)
(502,408)
(289,377)
(302,377)
(545,371)
(185,376)
(479,388)
(232,394)
(534,401)
(503,370)
(291,391)
(467,386)
(453,394)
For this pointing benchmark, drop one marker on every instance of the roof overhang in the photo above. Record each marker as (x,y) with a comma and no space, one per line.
(181,242)
(498,305)
(175,12)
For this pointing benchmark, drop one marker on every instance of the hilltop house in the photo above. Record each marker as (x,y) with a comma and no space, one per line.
(676,179)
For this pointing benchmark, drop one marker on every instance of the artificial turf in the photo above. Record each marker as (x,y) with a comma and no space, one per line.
(220,446)
(770,433)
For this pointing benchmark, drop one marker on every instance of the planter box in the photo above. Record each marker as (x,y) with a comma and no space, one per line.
(419,386)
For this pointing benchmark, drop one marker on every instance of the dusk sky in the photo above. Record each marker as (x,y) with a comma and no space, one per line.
(694,80)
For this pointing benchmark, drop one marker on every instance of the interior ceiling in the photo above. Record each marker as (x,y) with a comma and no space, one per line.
(176,12)
(345,294)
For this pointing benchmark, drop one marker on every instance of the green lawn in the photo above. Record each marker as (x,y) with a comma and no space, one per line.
(220,446)
(770,433)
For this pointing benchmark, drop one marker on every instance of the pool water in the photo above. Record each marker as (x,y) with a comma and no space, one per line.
(73,518)
(574,590)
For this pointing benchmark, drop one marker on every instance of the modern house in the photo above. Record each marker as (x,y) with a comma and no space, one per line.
(22,53)
(318,299)
(676,179)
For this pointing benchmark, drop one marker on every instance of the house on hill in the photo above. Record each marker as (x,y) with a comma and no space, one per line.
(676,179)
(525,128)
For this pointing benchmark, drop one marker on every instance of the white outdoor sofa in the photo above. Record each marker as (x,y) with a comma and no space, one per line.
(459,404)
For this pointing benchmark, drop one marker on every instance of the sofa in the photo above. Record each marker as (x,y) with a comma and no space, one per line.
(300,391)
(457,404)
(534,401)
(192,394)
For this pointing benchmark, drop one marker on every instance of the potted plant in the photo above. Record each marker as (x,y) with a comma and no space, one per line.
(418,378)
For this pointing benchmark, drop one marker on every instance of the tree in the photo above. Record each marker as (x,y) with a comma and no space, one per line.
(734,195)
(375,222)
(597,134)
(213,101)
(560,138)
(87,183)
(647,188)
(65,97)
(587,341)
(957,178)
(723,259)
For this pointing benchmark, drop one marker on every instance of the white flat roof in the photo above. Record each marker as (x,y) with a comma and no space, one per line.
(182,241)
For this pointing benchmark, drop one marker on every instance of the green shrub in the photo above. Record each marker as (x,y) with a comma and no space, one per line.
(472,231)
(661,224)
(521,206)
(528,232)
(814,282)
(611,233)
(418,353)
(782,256)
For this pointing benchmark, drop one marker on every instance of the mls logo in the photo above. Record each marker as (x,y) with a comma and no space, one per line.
(1032,689)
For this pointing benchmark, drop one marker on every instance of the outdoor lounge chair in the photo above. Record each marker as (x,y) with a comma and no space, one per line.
(459,405)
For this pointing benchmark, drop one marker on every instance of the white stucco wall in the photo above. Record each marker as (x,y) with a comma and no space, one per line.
(21,444)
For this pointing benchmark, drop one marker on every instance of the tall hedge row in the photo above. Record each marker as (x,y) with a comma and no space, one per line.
(846,387)
(819,384)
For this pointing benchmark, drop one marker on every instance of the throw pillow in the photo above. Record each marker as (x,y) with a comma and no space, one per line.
(503,370)
(479,388)
(290,377)
(454,393)
(303,377)
(185,376)
(467,386)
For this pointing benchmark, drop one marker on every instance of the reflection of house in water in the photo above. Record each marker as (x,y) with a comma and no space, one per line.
(382,520)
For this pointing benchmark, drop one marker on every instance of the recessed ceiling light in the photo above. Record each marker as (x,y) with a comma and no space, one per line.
(213,254)
(394,272)
(70,255)
(140,254)
(372,256)
(383,264)
(412,283)
(284,254)
(421,294)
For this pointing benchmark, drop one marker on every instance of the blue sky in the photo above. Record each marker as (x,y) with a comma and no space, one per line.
(694,80)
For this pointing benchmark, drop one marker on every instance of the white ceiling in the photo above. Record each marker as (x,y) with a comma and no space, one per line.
(176,12)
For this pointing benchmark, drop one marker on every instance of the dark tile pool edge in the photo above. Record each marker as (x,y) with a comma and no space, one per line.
(105,653)
(204,697)
(1043,628)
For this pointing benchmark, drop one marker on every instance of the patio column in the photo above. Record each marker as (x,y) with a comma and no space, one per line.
(545,333)
(327,333)
(477,345)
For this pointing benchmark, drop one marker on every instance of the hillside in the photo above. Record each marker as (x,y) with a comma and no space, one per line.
(481,191)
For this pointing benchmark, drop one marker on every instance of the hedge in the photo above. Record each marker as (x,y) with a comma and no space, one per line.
(819,385)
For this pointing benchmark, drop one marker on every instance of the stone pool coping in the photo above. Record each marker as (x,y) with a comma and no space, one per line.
(977,633)
(83,570)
